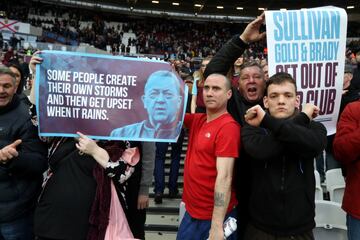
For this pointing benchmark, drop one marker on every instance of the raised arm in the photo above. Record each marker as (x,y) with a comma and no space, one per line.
(299,133)
(89,146)
(35,59)
(234,48)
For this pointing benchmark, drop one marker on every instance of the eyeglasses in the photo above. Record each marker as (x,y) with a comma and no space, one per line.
(203,65)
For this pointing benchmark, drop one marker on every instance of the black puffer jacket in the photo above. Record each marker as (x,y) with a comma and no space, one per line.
(21,177)
(282,151)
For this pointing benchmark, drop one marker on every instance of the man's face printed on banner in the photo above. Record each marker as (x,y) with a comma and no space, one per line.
(162,98)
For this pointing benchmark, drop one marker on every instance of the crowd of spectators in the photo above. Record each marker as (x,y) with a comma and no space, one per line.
(153,35)
(175,39)
(182,40)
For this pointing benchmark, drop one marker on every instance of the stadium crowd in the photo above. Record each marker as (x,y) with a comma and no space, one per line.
(239,110)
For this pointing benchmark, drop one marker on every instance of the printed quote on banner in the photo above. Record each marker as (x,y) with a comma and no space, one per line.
(85,95)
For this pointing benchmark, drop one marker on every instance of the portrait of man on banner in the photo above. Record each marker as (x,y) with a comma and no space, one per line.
(162,101)
(109,97)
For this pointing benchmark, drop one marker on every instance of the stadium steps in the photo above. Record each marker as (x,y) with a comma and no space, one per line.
(162,220)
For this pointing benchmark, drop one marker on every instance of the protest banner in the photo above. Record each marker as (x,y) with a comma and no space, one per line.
(310,45)
(107,97)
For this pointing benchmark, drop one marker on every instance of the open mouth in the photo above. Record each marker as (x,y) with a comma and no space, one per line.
(252,90)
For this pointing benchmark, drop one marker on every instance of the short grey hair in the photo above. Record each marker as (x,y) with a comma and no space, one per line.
(160,75)
(252,64)
(7,71)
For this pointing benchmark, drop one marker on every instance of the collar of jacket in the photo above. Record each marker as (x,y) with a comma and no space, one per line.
(12,105)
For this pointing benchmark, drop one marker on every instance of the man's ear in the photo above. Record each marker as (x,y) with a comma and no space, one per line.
(266,102)
(297,102)
(229,94)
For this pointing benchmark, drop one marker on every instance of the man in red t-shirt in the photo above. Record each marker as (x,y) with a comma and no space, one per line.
(214,143)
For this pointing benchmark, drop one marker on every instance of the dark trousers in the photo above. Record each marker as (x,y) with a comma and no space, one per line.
(195,229)
(253,233)
(135,217)
(159,172)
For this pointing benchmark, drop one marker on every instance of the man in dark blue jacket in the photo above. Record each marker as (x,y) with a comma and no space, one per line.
(22,162)
(282,144)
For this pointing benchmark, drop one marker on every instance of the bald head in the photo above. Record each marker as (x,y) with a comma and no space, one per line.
(220,76)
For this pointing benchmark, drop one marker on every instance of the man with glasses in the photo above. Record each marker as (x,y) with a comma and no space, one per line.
(162,101)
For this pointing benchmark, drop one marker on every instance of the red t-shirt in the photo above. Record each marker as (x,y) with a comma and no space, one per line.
(207,140)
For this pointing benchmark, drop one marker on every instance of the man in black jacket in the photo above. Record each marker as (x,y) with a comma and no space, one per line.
(22,162)
(282,144)
(251,80)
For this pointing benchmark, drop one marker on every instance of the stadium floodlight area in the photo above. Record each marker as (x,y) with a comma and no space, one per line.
(155,13)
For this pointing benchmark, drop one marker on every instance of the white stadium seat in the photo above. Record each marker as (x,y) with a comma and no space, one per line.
(330,221)
(319,195)
(335,184)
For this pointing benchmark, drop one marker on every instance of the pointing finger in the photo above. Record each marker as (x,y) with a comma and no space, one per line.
(16,143)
